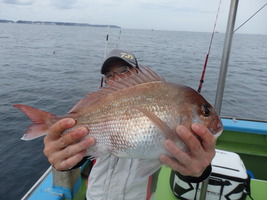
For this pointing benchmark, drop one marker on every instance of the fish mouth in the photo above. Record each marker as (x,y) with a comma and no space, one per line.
(218,133)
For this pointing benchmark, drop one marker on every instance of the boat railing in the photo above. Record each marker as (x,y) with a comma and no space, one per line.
(36,185)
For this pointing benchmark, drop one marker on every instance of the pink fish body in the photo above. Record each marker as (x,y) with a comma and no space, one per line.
(133,116)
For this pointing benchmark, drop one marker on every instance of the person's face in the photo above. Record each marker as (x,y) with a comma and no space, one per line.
(118,70)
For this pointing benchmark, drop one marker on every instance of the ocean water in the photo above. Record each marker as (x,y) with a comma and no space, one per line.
(52,67)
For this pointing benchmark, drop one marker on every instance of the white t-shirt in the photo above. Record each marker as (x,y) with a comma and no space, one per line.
(114,178)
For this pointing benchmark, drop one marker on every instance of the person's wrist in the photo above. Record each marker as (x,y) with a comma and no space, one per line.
(206,173)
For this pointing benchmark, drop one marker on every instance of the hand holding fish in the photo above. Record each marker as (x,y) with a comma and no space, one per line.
(199,156)
(61,150)
(63,154)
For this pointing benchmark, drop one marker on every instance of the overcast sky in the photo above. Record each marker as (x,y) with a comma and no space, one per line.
(181,15)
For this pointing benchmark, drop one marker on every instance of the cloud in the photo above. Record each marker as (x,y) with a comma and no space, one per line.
(187,15)
(65,4)
(19,2)
(75,4)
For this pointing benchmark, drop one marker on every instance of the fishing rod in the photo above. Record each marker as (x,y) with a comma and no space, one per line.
(106,43)
(105,51)
(107,40)
(207,55)
(119,37)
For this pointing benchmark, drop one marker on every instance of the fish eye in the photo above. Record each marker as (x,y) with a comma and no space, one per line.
(205,110)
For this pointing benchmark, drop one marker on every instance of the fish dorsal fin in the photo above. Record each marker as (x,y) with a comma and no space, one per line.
(144,75)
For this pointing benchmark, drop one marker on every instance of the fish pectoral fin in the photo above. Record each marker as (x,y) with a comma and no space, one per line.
(166,130)
(147,167)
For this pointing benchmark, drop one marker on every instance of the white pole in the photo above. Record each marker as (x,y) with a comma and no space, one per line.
(226,54)
(223,71)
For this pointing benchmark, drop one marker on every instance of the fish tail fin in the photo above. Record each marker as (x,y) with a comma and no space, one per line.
(41,121)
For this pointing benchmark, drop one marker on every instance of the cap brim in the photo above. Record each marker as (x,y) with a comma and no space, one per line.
(105,65)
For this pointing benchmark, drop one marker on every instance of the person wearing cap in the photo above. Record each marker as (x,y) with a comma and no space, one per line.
(118,62)
(115,178)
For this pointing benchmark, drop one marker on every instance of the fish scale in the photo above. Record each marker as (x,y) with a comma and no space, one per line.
(137,144)
(124,137)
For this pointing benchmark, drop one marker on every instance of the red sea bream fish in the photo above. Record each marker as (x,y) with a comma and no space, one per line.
(132,117)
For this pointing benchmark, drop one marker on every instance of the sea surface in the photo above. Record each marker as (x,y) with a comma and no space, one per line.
(52,67)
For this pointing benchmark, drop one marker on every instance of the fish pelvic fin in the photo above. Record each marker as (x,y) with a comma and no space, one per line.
(41,121)
(166,130)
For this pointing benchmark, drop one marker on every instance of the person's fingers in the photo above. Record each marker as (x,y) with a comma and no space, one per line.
(190,140)
(56,130)
(208,141)
(175,151)
(57,144)
(73,149)
(70,162)
(72,136)
(173,164)
(177,154)
(71,155)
